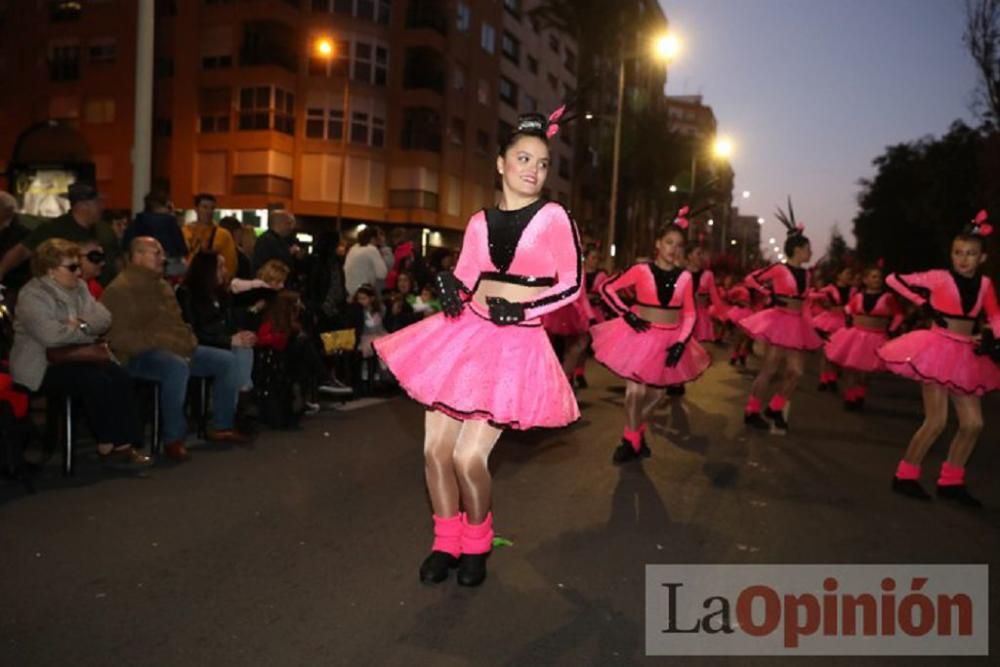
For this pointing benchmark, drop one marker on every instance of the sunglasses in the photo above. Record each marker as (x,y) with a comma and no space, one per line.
(72,268)
(96,257)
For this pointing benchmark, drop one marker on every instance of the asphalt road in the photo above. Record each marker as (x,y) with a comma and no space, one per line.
(304,549)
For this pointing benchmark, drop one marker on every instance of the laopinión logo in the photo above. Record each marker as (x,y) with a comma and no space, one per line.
(817,610)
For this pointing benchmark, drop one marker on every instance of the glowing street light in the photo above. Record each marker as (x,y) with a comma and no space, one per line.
(771,240)
(746,194)
(323,47)
(760,221)
(711,223)
(722,148)
(589,116)
(666,47)
(673,188)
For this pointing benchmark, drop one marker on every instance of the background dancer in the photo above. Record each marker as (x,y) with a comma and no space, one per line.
(873,314)
(945,359)
(740,303)
(832,299)
(650,346)
(572,323)
(785,327)
(485,364)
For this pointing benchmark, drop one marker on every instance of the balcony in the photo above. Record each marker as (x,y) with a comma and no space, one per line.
(425,68)
(269,43)
(429,14)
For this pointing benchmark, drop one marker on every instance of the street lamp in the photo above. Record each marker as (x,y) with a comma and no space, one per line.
(665,47)
(325,48)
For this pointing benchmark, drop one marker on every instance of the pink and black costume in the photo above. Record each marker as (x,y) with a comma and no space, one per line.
(572,319)
(832,318)
(780,324)
(642,356)
(708,304)
(472,367)
(739,303)
(856,347)
(938,354)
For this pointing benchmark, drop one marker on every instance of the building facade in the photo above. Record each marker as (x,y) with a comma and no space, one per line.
(360,110)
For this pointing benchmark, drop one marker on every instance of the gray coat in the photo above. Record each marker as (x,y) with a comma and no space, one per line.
(40,322)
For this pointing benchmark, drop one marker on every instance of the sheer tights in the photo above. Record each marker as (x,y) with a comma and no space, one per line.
(970,424)
(794,366)
(639,403)
(456,456)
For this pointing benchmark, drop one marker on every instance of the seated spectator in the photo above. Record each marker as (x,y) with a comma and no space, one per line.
(55,310)
(398,312)
(369,319)
(204,235)
(425,303)
(297,365)
(92,262)
(158,221)
(207,306)
(154,342)
(244,265)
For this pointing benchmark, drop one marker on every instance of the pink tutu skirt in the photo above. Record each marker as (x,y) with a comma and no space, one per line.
(704,329)
(784,328)
(830,321)
(939,356)
(471,368)
(857,349)
(570,320)
(738,313)
(642,357)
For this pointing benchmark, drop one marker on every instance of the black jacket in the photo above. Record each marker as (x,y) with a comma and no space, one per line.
(211,320)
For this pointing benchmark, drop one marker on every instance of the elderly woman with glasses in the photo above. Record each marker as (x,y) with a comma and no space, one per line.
(58,318)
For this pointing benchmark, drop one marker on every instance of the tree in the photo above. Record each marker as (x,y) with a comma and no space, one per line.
(922,194)
(982,36)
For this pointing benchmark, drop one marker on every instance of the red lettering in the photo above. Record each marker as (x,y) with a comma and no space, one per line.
(869,608)
(744,610)
(794,625)
(945,604)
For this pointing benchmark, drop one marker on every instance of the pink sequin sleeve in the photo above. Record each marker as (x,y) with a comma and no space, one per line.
(468,267)
(611,287)
(904,285)
(688,311)
(563,242)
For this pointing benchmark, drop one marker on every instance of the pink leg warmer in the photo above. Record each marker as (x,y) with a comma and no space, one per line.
(448,535)
(578,371)
(753,405)
(907,471)
(634,437)
(477,539)
(777,403)
(951,475)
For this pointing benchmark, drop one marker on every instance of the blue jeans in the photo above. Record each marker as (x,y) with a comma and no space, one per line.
(172,373)
(244,359)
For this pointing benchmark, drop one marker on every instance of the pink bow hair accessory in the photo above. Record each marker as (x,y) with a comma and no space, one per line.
(681,219)
(553,122)
(800,228)
(985,229)
(981,217)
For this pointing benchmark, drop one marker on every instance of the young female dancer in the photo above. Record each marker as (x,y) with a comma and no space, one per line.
(831,299)
(485,363)
(650,346)
(741,307)
(572,324)
(873,314)
(944,358)
(785,326)
(707,301)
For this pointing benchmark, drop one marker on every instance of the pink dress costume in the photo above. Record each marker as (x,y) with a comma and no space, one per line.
(739,298)
(708,304)
(641,357)
(781,324)
(472,368)
(572,319)
(856,347)
(592,284)
(938,354)
(832,319)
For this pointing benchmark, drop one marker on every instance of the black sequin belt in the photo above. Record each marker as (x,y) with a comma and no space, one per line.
(514,279)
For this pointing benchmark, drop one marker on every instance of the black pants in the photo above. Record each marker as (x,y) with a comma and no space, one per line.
(305,365)
(107,395)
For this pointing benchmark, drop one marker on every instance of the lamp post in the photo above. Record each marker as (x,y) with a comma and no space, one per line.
(325,48)
(665,48)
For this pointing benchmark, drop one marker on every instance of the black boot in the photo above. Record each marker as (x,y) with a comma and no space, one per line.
(910,488)
(472,569)
(644,451)
(778,424)
(754,420)
(676,390)
(624,453)
(960,494)
(435,567)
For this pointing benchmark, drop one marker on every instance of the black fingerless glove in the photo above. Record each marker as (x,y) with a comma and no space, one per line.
(927,311)
(450,290)
(674,354)
(504,312)
(988,345)
(636,322)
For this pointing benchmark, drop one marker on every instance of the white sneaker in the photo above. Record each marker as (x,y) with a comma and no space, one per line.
(335,388)
(311,408)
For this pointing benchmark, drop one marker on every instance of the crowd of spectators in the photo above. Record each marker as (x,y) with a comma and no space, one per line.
(101,303)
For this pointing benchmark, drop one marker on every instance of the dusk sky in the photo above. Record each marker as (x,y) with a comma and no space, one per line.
(812,90)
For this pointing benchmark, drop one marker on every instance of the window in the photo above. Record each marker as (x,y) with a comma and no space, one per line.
(368,62)
(325,124)
(64,62)
(421,130)
(267,108)
(103,50)
(569,60)
(508,91)
(214,108)
(359,127)
(510,47)
(61,11)
(483,92)
(533,64)
(456,132)
(378,132)
(458,78)
(463,17)
(216,62)
(425,68)
(554,42)
(99,110)
(483,141)
(488,39)
(372,10)
(362,62)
